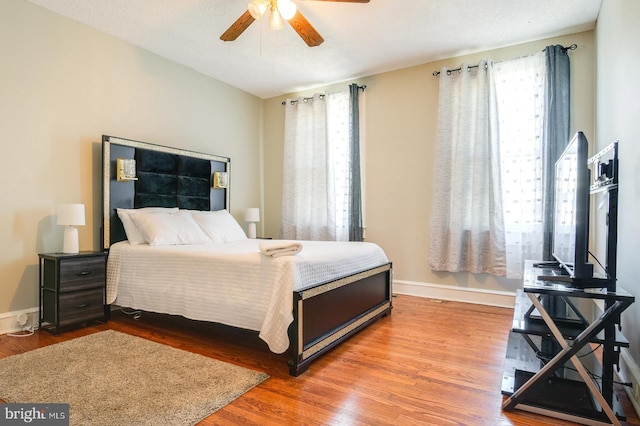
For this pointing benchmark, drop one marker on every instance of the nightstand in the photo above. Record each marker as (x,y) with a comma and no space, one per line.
(72,289)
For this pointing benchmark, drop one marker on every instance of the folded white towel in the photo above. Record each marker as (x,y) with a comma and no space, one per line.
(280,248)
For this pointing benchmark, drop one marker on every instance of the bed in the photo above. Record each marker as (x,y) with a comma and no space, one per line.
(304,304)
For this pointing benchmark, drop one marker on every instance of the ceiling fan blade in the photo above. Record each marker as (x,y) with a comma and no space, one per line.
(238,27)
(305,30)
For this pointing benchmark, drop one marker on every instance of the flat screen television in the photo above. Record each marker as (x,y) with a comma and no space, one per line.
(570,245)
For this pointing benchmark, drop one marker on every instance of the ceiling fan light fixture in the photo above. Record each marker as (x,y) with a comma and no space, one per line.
(287,9)
(280,10)
(257,8)
(275,20)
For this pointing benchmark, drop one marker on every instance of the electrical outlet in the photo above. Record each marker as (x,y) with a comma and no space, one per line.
(22,319)
(636,391)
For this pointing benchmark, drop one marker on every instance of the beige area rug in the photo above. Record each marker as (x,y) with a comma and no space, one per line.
(112,378)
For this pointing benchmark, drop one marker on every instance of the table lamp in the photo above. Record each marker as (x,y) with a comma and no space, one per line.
(251,216)
(70,215)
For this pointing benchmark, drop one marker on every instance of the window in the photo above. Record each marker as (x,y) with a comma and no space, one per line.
(321,175)
(501,125)
(520,93)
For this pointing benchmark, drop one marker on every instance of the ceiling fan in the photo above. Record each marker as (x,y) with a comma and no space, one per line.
(279,10)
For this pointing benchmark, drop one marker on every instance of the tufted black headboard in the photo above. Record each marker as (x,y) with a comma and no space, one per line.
(167,177)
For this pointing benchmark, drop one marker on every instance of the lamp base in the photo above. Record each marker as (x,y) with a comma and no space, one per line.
(251,230)
(70,244)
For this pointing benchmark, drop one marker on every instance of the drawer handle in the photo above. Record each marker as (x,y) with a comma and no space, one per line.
(83,273)
(84,305)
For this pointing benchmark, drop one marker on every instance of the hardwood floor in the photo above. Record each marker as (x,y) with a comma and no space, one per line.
(428,363)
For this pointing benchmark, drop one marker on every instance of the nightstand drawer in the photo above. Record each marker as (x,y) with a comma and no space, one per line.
(81,306)
(81,273)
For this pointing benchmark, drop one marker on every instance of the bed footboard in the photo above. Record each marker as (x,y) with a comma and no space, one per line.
(329,313)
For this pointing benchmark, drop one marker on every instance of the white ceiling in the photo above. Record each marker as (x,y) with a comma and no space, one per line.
(361,39)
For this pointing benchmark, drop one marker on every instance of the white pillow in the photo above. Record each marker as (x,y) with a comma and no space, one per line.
(133,234)
(162,229)
(219,225)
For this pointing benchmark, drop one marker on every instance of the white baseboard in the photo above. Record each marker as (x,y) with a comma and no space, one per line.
(9,320)
(502,299)
(630,372)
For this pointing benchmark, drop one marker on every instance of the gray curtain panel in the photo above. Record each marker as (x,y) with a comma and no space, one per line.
(556,129)
(355,193)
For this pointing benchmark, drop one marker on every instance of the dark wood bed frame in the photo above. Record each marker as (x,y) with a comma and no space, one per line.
(324,314)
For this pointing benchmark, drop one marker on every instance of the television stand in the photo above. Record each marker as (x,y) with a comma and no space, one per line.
(550,367)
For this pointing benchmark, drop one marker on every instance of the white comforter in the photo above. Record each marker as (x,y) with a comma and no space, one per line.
(230,283)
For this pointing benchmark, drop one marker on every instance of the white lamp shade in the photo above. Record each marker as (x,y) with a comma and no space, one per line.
(252,214)
(275,20)
(71,214)
(287,9)
(257,8)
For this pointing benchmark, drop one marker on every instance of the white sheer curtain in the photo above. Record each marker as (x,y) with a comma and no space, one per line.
(467,229)
(315,177)
(338,143)
(520,91)
(488,194)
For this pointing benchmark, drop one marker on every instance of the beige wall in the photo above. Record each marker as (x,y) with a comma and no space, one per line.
(617,117)
(401,128)
(63,85)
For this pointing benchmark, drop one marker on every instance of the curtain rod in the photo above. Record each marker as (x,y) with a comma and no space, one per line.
(469,67)
(295,101)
